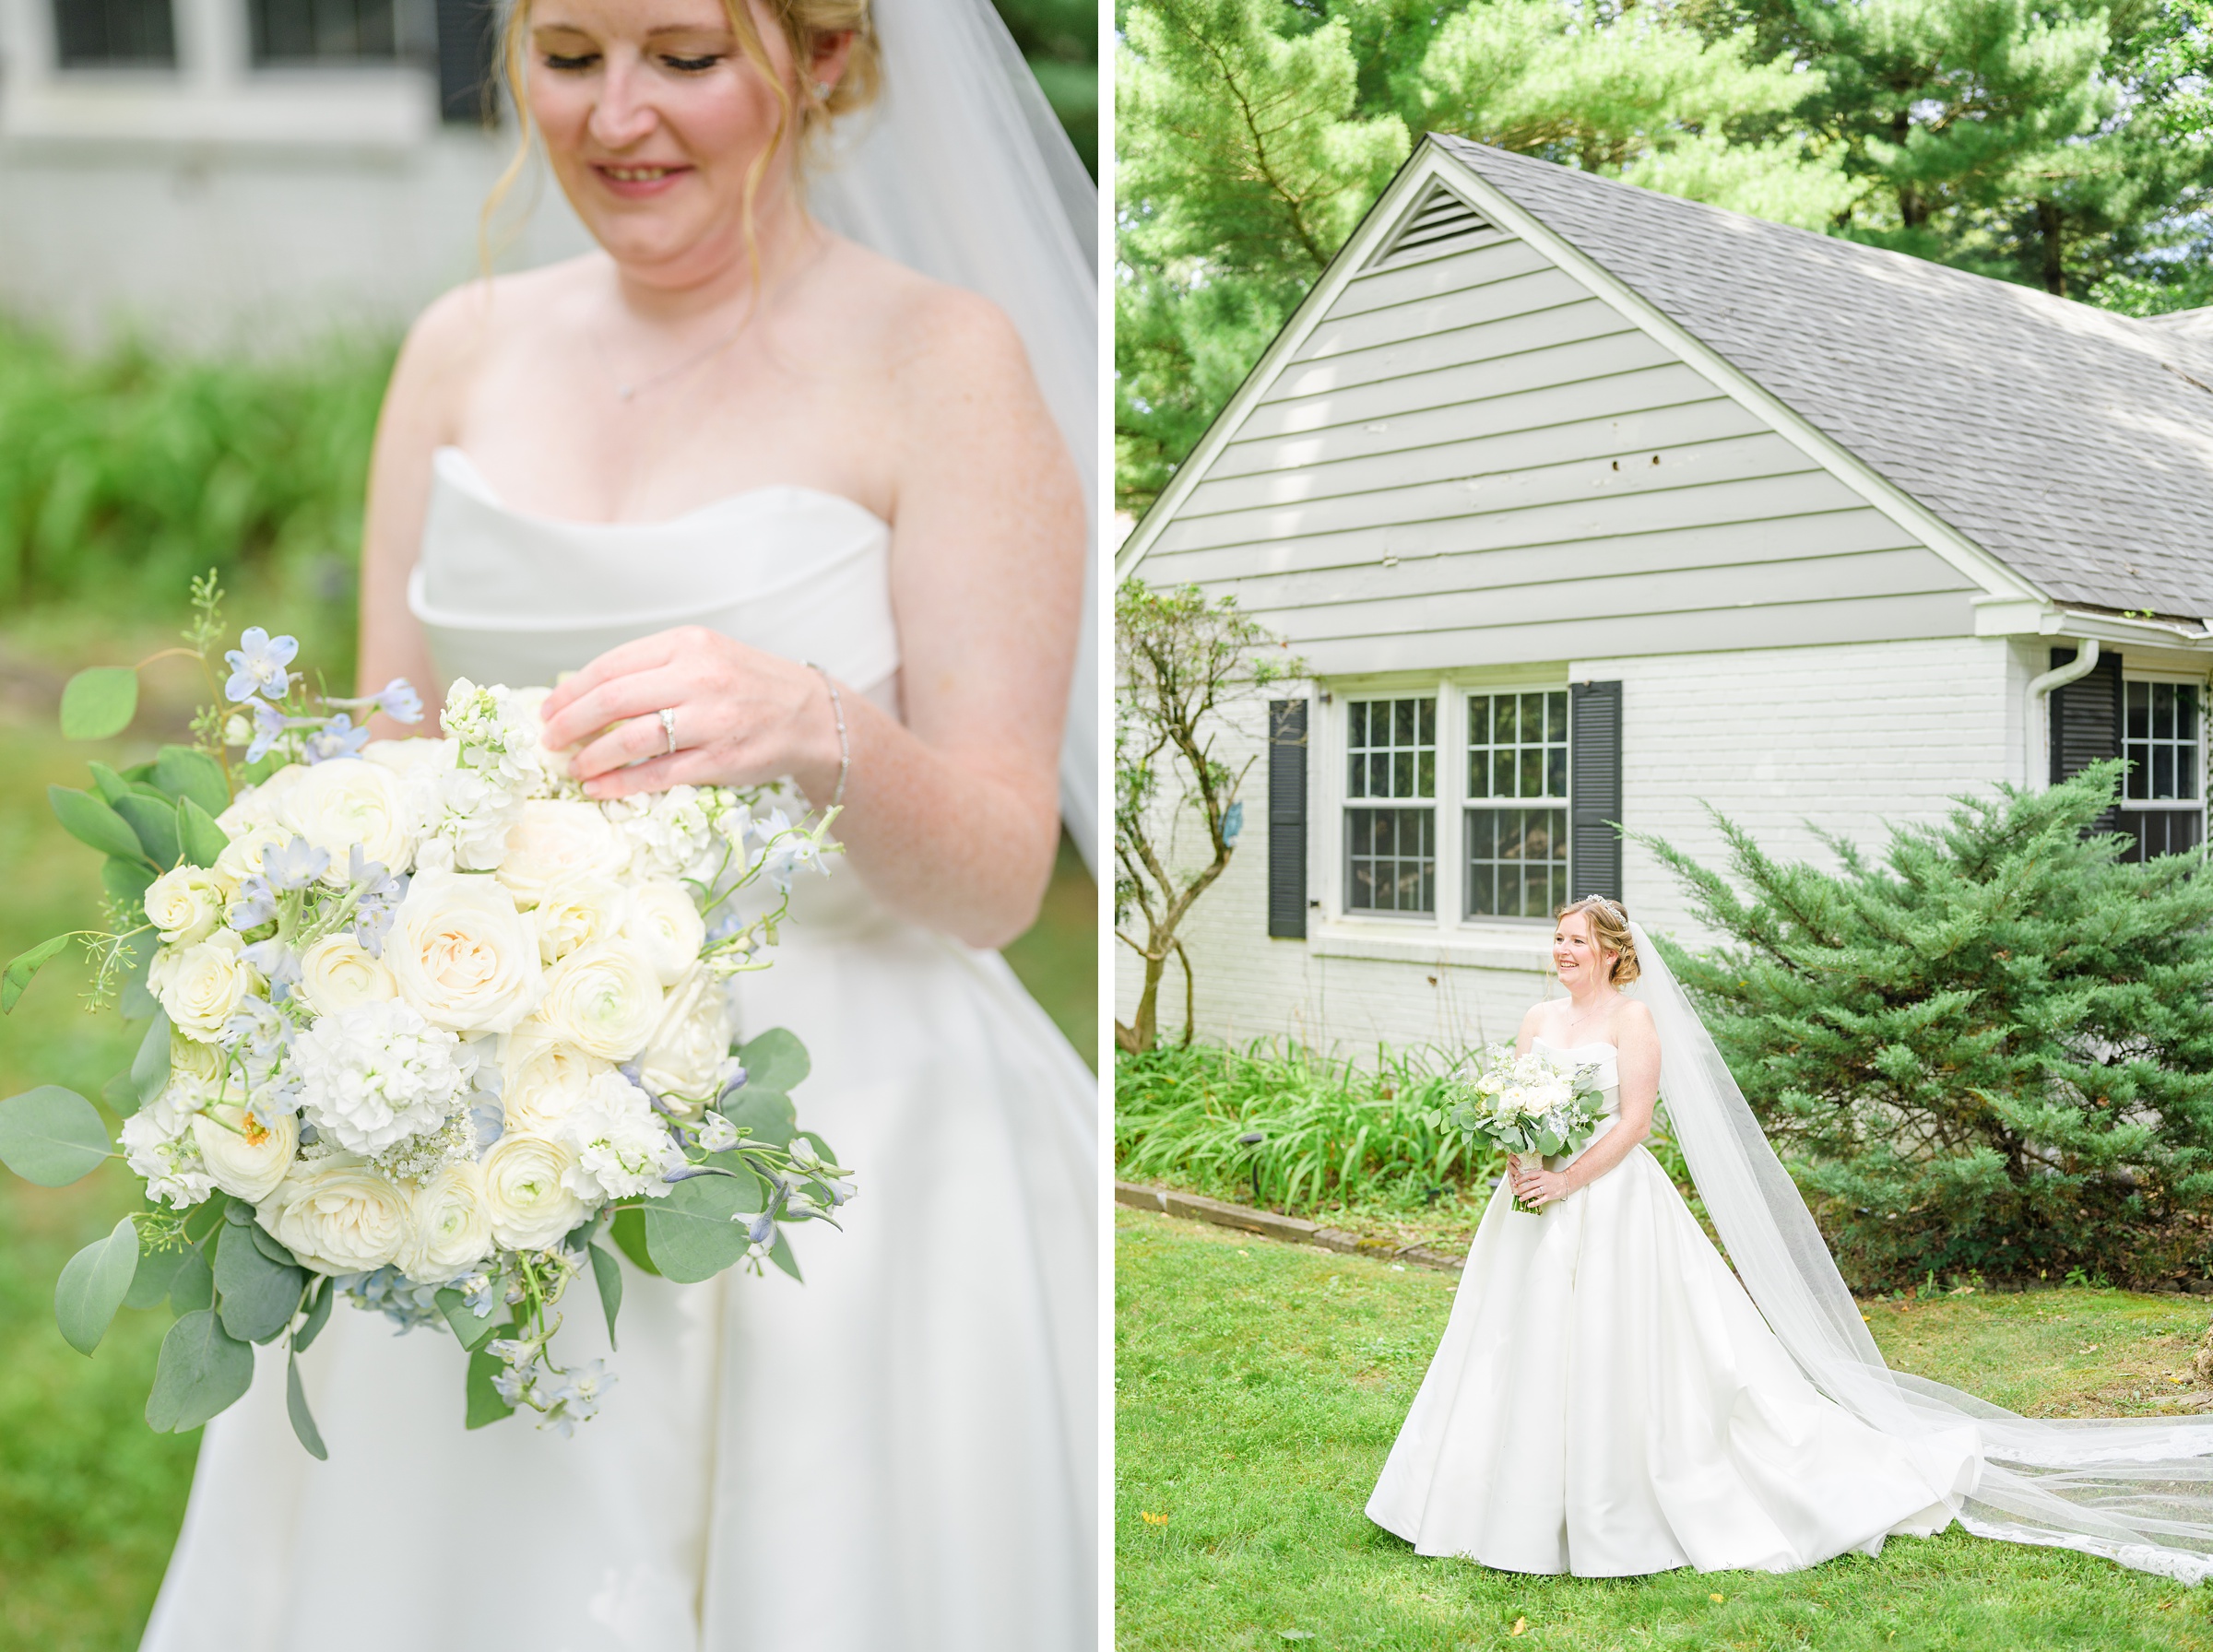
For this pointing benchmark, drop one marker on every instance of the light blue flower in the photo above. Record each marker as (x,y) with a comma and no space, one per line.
(294,864)
(254,905)
(258,665)
(718,1134)
(269,729)
(399,700)
(337,737)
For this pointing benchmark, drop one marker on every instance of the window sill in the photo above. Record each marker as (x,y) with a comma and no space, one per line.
(1526,948)
(377,106)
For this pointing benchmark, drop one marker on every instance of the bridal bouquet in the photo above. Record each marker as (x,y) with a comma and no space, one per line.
(1524,1104)
(426,1025)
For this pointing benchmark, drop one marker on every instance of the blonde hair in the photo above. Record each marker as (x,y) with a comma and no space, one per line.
(803,23)
(1609,932)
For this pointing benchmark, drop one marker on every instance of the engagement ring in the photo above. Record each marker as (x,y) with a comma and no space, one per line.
(669,728)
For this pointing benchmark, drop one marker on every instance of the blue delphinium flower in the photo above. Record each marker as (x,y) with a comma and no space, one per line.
(337,737)
(294,864)
(269,727)
(399,700)
(380,898)
(279,964)
(254,905)
(717,1134)
(258,665)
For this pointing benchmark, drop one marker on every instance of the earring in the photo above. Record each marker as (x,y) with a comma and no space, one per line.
(822,91)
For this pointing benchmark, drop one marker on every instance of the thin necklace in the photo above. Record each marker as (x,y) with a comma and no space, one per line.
(1578,1021)
(628,392)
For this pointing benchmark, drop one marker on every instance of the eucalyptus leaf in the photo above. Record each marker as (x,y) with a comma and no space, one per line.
(52,1135)
(259,1296)
(157,1272)
(318,1315)
(471,1332)
(200,1220)
(295,1406)
(191,1287)
(23,966)
(149,1069)
(93,1285)
(202,1370)
(126,880)
(110,785)
(183,773)
(768,1113)
(137,1000)
(484,1402)
(628,1231)
(98,703)
(775,1060)
(269,1246)
(201,840)
(690,1232)
(607,1272)
(781,1253)
(90,821)
(121,1094)
(154,821)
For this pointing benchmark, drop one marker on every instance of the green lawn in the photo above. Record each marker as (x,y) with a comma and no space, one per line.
(1259,1386)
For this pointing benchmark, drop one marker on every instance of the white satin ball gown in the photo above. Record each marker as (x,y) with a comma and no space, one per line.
(1607,1401)
(899,1453)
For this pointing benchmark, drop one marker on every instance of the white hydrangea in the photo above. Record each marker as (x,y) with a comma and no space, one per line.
(621,1147)
(378,1073)
(459,818)
(158,1145)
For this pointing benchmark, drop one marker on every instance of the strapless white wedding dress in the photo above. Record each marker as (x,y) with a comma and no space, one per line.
(1607,1401)
(900,1453)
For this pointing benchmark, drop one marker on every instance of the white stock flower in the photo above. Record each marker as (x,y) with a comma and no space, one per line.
(576,912)
(245,1159)
(621,1148)
(664,924)
(552,841)
(526,1195)
(448,1231)
(672,833)
(462,955)
(202,986)
(682,1062)
(185,903)
(338,973)
(379,1072)
(459,818)
(604,1000)
(540,1079)
(159,1147)
(336,805)
(337,1215)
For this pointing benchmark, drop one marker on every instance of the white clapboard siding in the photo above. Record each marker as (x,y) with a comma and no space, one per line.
(1472,459)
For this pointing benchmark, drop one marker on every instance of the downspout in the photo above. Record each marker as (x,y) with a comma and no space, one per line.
(2059,677)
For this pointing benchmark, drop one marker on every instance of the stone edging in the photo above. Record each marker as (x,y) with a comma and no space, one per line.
(1292,1229)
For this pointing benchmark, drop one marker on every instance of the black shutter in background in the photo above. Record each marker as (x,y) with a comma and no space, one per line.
(468,42)
(1594,790)
(1287,819)
(2086,723)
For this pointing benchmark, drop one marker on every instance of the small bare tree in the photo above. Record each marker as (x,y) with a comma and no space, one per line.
(1180,663)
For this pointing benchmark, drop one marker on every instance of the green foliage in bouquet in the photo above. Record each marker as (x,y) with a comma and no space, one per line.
(1990,1050)
(726,1164)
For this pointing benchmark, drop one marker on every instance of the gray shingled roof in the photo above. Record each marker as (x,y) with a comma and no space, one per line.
(2074,444)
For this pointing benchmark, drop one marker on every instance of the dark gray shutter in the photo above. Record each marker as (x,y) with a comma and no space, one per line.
(1287,819)
(2086,723)
(468,43)
(1594,790)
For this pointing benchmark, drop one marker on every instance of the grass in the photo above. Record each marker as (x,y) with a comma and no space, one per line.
(1258,1387)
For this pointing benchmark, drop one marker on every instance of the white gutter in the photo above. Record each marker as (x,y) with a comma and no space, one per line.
(2037,724)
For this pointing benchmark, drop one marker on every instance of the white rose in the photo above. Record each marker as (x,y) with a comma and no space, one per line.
(682,1062)
(525,1192)
(448,1232)
(199,1063)
(338,804)
(338,973)
(665,924)
(337,1215)
(462,955)
(576,912)
(246,1159)
(202,986)
(552,841)
(185,904)
(603,999)
(541,1078)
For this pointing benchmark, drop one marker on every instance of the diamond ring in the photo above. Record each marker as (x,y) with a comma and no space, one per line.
(669,728)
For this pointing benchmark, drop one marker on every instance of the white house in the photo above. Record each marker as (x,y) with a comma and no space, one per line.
(1587,504)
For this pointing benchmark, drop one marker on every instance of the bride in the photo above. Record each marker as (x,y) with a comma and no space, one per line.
(1609,1400)
(792,509)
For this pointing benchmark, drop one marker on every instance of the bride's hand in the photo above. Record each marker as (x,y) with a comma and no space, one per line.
(743,717)
(1534,1184)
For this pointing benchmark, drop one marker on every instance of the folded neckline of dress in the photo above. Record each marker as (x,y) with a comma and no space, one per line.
(456,467)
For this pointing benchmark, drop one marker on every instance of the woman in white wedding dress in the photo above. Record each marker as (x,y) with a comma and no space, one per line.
(740,469)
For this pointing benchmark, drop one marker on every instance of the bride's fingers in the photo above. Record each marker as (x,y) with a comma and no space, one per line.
(688,767)
(643,654)
(617,701)
(637,739)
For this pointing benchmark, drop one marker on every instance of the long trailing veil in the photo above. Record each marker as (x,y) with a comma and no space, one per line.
(959,171)
(2139,1491)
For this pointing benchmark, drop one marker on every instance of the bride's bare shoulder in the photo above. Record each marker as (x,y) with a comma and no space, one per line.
(929,332)
(464,327)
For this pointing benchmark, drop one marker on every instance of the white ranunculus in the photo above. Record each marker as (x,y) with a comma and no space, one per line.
(462,955)
(403,756)
(603,999)
(336,805)
(379,1072)
(246,1159)
(337,1214)
(540,1078)
(551,842)
(665,924)
(253,816)
(338,973)
(623,1150)
(202,986)
(185,903)
(448,1232)
(576,912)
(682,1062)
(526,1193)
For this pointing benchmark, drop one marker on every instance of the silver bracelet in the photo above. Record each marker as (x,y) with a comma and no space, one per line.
(845,746)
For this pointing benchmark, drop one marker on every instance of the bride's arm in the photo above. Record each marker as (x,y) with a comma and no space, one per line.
(953,817)
(1637,1061)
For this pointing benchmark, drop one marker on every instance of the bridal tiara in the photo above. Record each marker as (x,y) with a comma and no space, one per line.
(1613,912)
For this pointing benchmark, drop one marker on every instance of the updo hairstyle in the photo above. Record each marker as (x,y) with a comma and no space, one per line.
(1610,928)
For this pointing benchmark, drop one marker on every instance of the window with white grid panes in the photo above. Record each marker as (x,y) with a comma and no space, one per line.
(1516,813)
(2163,803)
(1390,797)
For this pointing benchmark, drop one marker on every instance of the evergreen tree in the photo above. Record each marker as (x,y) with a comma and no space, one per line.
(1992,1051)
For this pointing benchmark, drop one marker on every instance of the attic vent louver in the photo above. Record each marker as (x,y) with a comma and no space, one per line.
(1443,224)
